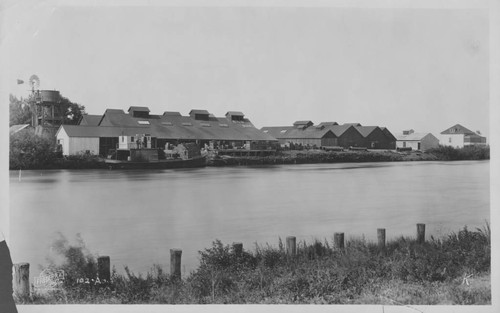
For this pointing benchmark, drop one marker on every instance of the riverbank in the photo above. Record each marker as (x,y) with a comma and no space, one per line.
(454,269)
(89,161)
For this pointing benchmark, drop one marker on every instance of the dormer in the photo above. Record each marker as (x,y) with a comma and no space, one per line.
(408,132)
(302,124)
(235,116)
(142,112)
(199,115)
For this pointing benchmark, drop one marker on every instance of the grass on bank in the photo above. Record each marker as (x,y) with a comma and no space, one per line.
(454,269)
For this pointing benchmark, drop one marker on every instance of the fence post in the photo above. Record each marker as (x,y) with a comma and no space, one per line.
(420,233)
(22,279)
(381,238)
(175,262)
(238,248)
(104,269)
(291,248)
(338,239)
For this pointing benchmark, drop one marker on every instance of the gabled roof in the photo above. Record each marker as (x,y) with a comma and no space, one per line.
(365,131)
(413,136)
(456,130)
(339,130)
(90,120)
(290,132)
(99,131)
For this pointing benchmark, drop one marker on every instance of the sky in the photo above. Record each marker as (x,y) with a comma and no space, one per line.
(425,69)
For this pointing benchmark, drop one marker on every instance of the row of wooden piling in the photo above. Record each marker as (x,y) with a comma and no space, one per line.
(21,270)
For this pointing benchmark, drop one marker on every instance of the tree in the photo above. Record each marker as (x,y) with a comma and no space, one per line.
(28,150)
(19,111)
(72,111)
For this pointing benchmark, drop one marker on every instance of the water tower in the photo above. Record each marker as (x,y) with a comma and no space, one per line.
(46,105)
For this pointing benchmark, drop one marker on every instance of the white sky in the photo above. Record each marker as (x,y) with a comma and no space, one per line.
(425,69)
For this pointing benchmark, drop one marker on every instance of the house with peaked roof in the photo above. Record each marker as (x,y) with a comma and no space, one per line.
(376,138)
(416,141)
(302,133)
(458,136)
(331,134)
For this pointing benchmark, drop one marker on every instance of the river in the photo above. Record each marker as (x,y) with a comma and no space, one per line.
(136,217)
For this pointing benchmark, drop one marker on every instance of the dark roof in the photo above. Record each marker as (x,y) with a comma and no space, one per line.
(457,129)
(99,131)
(171,113)
(290,132)
(308,123)
(327,123)
(138,109)
(235,113)
(171,126)
(195,111)
(353,124)
(365,131)
(90,120)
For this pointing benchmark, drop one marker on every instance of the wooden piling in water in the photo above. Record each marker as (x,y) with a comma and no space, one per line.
(175,262)
(238,248)
(381,238)
(420,233)
(338,240)
(104,268)
(291,247)
(22,279)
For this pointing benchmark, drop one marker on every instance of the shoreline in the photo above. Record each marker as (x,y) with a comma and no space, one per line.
(294,157)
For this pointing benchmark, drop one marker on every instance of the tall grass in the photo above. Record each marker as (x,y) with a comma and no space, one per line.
(404,272)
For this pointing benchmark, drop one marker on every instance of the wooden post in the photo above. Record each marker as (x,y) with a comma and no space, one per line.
(420,233)
(381,238)
(104,269)
(22,279)
(291,248)
(238,248)
(338,239)
(175,262)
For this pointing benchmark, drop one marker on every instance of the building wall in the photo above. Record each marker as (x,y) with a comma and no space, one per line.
(82,144)
(63,139)
(351,137)
(413,144)
(329,142)
(454,140)
(378,140)
(428,142)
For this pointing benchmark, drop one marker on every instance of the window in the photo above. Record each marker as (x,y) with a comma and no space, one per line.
(187,124)
(223,125)
(205,124)
(265,131)
(166,123)
(143,122)
(132,139)
(404,144)
(449,139)
(283,131)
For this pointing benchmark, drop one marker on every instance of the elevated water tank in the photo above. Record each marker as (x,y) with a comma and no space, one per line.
(50,96)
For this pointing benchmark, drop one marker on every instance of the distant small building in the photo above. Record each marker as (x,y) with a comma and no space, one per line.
(458,136)
(416,141)
(302,133)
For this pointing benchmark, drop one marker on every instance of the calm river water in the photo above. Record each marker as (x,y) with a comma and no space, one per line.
(136,217)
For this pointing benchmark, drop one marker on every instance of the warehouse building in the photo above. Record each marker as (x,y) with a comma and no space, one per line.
(115,128)
(331,134)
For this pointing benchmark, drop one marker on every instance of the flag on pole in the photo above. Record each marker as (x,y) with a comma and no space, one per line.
(20,81)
